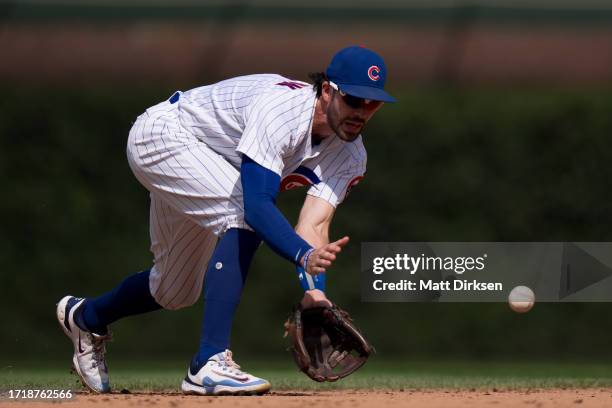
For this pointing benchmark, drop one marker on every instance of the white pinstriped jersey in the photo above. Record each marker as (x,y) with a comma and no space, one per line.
(187,152)
(269,118)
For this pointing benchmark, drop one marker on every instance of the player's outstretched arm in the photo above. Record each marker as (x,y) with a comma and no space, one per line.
(313,226)
(314,221)
(260,187)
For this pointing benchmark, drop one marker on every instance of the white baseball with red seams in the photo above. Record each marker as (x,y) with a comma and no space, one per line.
(521,299)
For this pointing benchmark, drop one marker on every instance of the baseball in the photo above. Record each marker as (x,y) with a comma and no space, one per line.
(521,299)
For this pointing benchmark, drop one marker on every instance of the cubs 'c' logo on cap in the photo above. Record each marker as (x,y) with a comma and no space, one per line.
(374,73)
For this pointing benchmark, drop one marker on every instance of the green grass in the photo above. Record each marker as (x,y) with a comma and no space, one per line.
(166,376)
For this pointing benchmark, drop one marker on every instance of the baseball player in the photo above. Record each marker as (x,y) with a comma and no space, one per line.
(214,159)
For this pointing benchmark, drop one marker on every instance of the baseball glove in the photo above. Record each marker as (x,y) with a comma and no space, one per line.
(326,344)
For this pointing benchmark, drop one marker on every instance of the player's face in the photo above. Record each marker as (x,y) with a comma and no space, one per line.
(347,115)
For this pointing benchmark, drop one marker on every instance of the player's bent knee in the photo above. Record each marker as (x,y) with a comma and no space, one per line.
(171,292)
(183,303)
(173,302)
(176,305)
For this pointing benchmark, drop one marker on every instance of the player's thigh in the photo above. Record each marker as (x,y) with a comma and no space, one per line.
(182,249)
(192,178)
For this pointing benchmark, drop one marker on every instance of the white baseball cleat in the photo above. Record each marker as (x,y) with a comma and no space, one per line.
(222,376)
(89,348)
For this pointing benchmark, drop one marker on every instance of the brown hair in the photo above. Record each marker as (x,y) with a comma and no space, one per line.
(318,78)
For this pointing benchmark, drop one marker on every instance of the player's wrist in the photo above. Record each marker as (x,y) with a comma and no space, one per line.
(309,282)
(305,258)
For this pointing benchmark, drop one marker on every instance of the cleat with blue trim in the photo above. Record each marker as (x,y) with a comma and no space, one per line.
(222,376)
(89,348)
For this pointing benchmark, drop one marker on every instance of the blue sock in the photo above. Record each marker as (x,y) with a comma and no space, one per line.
(225,277)
(130,297)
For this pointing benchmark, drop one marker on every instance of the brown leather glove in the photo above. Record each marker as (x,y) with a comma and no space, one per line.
(326,344)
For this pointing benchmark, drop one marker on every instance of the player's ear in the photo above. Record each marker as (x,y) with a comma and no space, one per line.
(326,92)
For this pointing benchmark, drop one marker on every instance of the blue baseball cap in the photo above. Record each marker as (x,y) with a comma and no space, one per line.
(359,72)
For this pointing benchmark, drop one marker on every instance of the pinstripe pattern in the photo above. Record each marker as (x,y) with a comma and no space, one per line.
(195,196)
(181,250)
(337,164)
(340,166)
(188,155)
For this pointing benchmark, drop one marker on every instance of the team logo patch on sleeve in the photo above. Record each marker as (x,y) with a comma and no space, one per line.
(300,177)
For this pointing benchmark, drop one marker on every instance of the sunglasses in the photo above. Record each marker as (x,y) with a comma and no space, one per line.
(355,102)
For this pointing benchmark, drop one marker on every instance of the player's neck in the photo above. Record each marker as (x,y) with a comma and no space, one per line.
(320,126)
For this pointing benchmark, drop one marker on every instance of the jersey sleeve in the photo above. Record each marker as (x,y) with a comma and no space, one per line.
(335,186)
(267,137)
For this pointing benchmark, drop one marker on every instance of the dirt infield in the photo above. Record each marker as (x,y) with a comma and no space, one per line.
(352,399)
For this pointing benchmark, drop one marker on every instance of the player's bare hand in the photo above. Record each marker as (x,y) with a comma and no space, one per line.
(315,298)
(321,258)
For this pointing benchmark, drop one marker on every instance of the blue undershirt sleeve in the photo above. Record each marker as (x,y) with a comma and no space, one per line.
(260,187)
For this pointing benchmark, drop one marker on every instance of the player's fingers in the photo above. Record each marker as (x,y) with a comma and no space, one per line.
(333,248)
(342,241)
(315,270)
(323,263)
(330,256)
(337,246)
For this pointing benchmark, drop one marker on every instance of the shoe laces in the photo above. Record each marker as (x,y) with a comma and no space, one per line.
(98,343)
(228,363)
